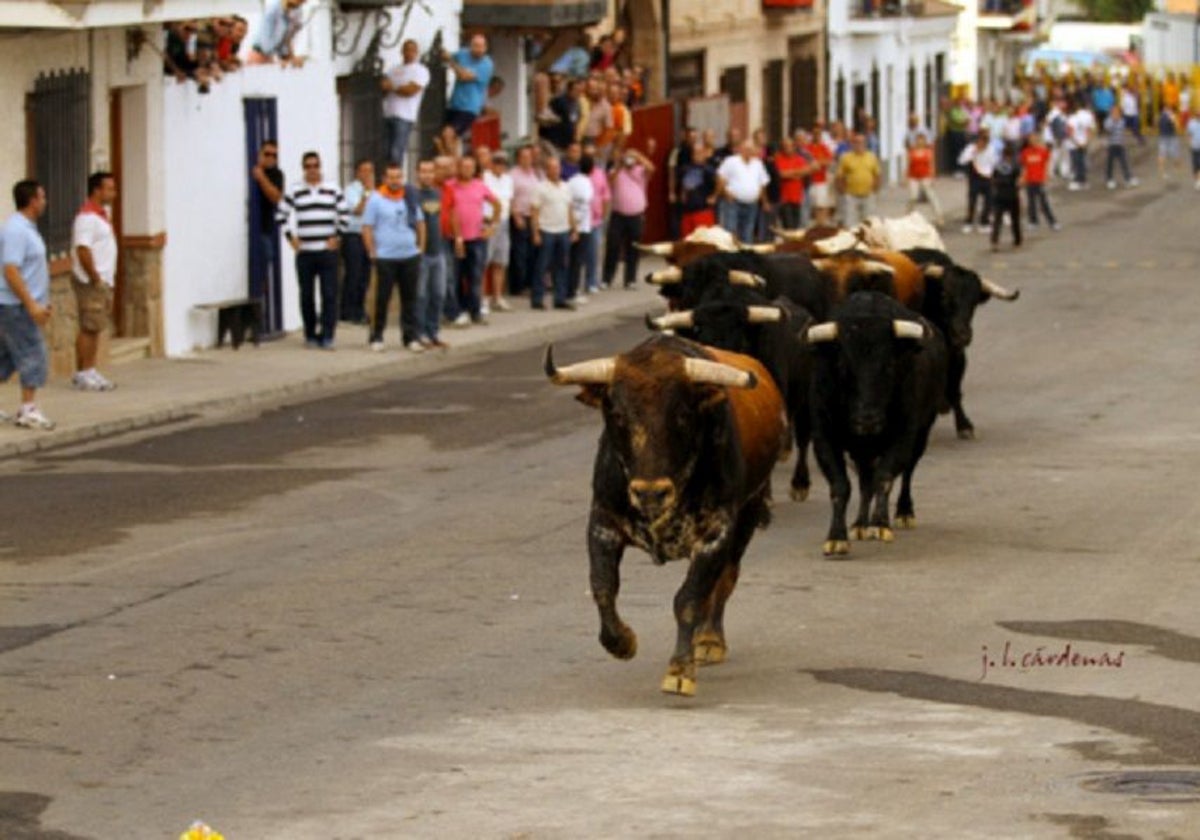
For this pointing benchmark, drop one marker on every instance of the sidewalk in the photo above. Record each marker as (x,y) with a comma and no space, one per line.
(155,391)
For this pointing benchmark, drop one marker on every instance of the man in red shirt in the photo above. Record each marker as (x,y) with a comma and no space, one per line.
(920,176)
(821,198)
(1035,160)
(792,167)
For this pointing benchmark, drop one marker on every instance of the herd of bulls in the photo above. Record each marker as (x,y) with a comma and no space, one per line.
(819,339)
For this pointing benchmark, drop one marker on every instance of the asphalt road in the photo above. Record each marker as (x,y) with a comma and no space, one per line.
(367,616)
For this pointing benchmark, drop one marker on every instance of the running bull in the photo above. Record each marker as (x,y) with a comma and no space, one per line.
(683,471)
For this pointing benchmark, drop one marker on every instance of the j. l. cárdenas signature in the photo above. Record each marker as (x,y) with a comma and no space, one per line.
(1044,656)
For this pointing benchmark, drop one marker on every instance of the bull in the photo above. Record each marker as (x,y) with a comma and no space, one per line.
(878,378)
(769,331)
(682,471)
(953,292)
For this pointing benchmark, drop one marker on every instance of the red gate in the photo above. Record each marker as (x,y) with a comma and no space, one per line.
(657,121)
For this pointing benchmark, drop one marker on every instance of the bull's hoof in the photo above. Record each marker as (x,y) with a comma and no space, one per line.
(709,649)
(908,521)
(678,684)
(859,532)
(967,433)
(836,548)
(623,646)
(882,534)
(798,494)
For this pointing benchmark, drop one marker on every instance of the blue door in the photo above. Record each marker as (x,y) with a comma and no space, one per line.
(265,280)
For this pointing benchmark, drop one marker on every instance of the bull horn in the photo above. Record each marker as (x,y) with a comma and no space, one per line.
(672,321)
(881,267)
(908,329)
(822,332)
(746,278)
(759,248)
(763,314)
(934,270)
(593,372)
(792,235)
(670,274)
(660,249)
(823,264)
(704,372)
(998,291)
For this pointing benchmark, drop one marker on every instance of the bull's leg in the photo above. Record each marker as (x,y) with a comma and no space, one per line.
(834,468)
(605,547)
(866,492)
(800,478)
(881,526)
(906,515)
(709,646)
(956,369)
(691,601)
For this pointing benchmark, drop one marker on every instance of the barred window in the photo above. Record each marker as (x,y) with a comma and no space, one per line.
(59,136)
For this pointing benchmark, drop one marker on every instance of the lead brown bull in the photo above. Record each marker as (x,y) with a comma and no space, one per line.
(682,471)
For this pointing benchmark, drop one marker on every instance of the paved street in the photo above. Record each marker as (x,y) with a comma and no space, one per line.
(365,614)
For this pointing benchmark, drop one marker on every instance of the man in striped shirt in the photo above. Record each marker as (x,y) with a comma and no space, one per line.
(313,214)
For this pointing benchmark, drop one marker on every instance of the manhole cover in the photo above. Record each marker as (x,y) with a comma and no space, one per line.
(1150,785)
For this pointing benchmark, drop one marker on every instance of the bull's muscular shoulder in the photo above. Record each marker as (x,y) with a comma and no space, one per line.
(758,412)
(908,280)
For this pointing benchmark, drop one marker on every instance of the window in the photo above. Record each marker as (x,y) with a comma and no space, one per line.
(58,122)
(733,83)
(686,75)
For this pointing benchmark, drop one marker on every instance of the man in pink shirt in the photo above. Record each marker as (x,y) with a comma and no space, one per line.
(523,255)
(629,178)
(471,235)
(601,198)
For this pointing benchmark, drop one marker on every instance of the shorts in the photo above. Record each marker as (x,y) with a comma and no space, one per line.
(499,245)
(95,305)
(1196,161)
(22,349)
(461,120)
(822,196)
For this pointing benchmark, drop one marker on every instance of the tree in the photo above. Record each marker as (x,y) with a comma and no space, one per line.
(1117,11)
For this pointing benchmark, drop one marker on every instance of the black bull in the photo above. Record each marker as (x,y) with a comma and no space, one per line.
(878,379)
(682,471)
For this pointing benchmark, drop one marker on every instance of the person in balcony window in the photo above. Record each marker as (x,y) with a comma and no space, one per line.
(403,87)
(473,70)
(273,41)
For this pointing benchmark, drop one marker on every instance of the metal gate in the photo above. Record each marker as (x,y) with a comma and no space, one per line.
(772,100)
(265,280)
(804,92)
(59,115)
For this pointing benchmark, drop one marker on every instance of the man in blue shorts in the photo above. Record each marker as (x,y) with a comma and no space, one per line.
(25,302)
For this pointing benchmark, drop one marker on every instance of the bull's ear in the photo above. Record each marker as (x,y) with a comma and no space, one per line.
(591,395)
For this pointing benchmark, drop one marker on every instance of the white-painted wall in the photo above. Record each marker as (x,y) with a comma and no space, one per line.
(1170,40)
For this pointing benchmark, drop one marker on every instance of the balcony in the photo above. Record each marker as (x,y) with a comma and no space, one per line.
(536,14)
(1007,15)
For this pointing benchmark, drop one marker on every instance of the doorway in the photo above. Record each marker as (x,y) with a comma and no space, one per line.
(265,279)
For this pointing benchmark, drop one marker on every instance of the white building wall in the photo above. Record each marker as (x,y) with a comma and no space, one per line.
(1170,40)
(422,23)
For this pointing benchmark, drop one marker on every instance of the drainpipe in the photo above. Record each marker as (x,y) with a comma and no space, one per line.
(666,67)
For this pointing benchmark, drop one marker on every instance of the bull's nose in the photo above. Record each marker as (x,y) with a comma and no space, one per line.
(867,423)
(652,497)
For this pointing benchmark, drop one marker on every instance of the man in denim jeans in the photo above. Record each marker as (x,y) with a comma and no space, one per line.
(553,233)
(432,283)
(403,86)
(471,233)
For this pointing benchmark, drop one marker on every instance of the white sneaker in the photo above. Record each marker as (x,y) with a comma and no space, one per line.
(1075,186)
(376,346)
(415,347)
(33,419)
(1132,182)
(91,380)
(103,383)
(578,300)
(501,305)
(484,309)
(463,320)
(1112,185)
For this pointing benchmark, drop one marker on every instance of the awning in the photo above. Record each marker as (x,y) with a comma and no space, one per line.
(541,14)
(95,14)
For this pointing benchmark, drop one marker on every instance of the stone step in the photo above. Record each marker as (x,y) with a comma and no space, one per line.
(122,350)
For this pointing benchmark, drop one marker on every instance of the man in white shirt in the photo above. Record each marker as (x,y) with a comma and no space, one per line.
(741,180)
(1080,127)
(93,270)
(553,232)
(403,87)
(494,166)
(582,192)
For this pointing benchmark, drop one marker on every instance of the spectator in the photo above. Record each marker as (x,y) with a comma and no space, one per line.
(268,183)
(1006,195)
(355,259)
(1114,132)
(601,200)
(281,21)
(471,234)
(1103,100)
(915,130)
(574,62)
(793,168)
(821,197)
(595,116)
(768,212)
(871,136)
(582,192)
(957,121)
(93,270)
(980,160)
(394,233)
(733,142)
(1168,140)
(553,233)
(1035,167)
(229,42)
(1055,135)
(604,54)
(313,213)
(858,178)
(1193,133)
(403,87)
(472,69)
(677,158)
(570,161)
(494,166)
(185,57)
(523,257)
(1131,112)
(628,181)
(697,191)
(495,87)
(447,143)
(622,121)
(921,168)
(25,303)
(567,112)
(431,285)
(446,171)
